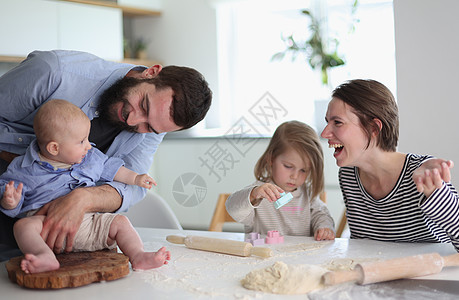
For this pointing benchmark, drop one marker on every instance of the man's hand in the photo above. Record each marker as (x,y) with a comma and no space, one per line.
(63,218)
(65,214)
(431,175)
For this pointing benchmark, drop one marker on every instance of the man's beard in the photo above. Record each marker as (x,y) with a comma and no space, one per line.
(116,94)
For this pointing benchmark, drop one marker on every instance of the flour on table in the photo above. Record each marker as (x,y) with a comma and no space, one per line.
(281,278)
(302,247)
(346,264)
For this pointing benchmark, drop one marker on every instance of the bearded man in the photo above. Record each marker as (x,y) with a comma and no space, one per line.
(131,108)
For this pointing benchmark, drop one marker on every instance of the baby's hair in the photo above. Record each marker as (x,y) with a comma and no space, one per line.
(303,139)
(53,119)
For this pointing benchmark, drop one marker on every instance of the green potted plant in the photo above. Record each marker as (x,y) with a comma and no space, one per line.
(316,48)
(140,48)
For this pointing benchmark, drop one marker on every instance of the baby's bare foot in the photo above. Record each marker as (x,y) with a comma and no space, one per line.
(150,260)
(39,263)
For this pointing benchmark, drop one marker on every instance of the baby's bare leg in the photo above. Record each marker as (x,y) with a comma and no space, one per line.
(128,240)
(38,256)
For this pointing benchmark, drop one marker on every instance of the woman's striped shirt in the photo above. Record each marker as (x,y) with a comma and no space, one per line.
(404,215)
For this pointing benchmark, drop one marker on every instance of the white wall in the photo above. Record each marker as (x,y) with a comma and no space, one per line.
(427,46)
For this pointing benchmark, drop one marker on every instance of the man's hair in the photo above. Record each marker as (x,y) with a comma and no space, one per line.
(304,140)
(192,95)
(369,100)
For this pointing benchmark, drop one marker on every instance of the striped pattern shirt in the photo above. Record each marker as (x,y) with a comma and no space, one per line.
(302,216)
(404,215)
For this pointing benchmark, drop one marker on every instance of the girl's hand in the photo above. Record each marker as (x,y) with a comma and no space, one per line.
(145,181)
(431,175)
(324,234)
(268,191)
(11,196)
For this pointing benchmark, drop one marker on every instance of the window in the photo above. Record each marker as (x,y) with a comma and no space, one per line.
(249,34)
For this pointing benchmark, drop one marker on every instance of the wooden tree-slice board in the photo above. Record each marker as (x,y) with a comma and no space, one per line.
(76,269)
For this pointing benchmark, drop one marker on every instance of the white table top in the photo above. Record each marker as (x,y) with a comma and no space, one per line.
(195,274)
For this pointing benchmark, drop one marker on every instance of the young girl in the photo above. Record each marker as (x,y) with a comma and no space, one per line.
(389,195)
(292,163)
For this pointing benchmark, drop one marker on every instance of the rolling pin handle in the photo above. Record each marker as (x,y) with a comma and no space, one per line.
(175,239)
(451,260)
(261,251)
(337,277)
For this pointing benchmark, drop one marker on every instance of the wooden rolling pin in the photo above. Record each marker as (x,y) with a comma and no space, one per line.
(398,268)
(220,245)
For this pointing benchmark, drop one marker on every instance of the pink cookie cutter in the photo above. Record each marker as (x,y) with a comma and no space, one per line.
(273,237)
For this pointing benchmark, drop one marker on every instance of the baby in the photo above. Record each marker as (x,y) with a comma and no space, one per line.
(58,161)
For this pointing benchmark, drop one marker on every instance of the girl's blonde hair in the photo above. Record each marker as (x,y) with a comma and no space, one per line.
(304,140)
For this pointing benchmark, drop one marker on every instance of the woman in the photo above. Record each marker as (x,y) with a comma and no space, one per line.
(389,195)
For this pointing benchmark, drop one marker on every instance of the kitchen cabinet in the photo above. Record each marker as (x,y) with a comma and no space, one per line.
(91,26)
(127,10)
(26,25)
(94,29)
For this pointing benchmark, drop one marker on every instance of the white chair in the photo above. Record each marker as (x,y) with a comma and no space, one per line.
(154,212)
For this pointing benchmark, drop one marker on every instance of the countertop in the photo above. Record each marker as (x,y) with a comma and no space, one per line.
(195,274)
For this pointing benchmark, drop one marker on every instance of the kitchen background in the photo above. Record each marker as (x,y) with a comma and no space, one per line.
(218,156)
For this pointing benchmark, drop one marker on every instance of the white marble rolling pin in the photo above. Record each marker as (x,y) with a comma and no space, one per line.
(398,268)
(220,245)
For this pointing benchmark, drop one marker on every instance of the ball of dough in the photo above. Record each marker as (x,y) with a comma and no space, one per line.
(281,278)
